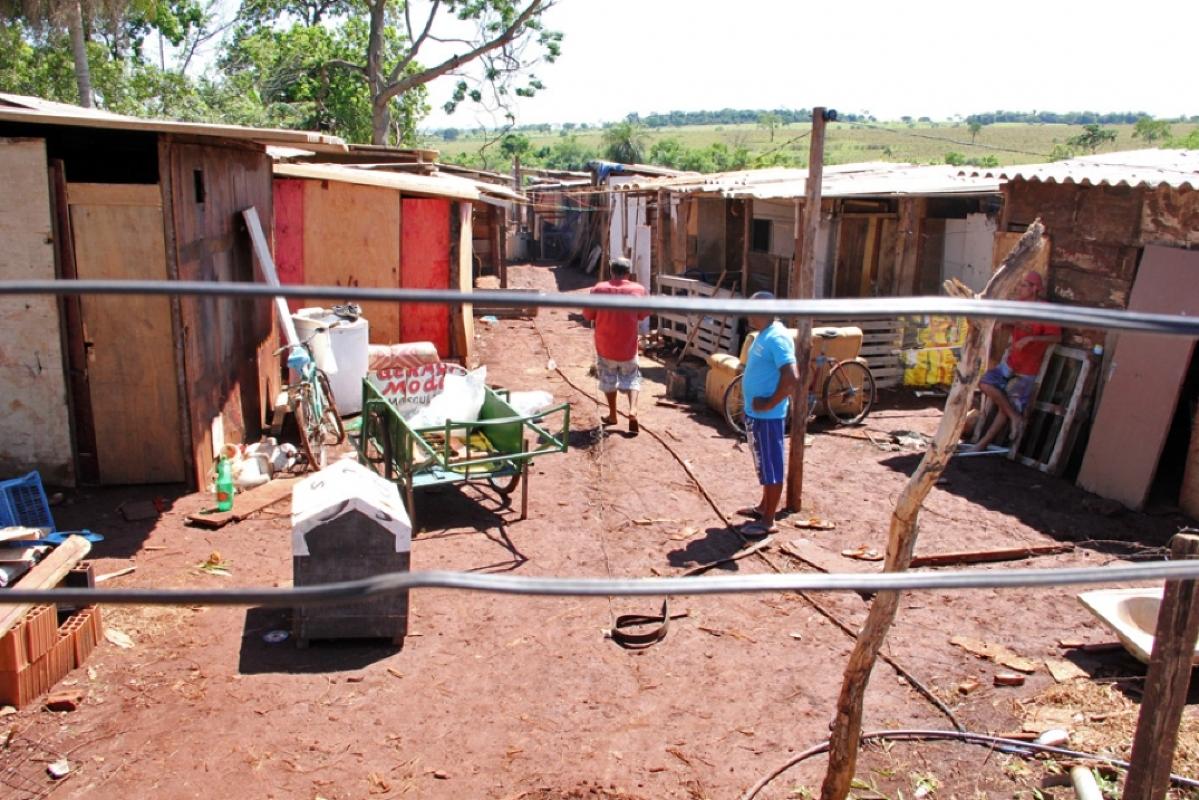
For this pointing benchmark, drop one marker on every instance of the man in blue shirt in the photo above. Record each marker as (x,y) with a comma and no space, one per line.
(770,378)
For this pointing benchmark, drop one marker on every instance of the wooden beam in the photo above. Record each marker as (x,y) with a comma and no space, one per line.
(901,541)
(803,285)
(987,556)
(46,575)
(1167,682)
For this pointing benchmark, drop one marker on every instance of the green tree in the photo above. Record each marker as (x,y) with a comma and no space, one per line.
(570,153)
(666,152)
(1151,130)
(1092,137)
(379,44)
(769,121)
(47,16)
(624,142)
(975,126)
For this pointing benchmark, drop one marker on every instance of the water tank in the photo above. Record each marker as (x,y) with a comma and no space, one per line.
(348,343)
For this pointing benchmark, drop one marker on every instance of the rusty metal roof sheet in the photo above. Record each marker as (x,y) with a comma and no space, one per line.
(1152,168)
(870,179)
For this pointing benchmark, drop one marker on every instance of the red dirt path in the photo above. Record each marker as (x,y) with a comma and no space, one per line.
(504,697)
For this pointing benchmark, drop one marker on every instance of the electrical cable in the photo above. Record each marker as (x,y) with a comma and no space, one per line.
(851,308)
(393,582)
(1011,746)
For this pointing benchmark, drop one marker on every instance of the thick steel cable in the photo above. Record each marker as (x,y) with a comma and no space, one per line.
(852,308)
(390,583)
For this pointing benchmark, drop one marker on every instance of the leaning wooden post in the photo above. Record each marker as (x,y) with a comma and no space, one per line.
(1167,682)
(847,724)
(803,285)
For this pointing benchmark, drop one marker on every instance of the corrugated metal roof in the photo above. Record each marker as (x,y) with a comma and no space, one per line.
(1152,168)
(435,185)
(870,179)
(20,108)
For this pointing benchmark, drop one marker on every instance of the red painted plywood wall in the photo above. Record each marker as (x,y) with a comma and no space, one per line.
(289,234)
(425,264)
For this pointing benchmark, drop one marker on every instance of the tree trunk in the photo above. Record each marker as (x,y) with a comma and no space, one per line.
(83,73)
(380,111)
(901,542)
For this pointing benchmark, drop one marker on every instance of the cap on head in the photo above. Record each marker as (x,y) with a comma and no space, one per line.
(621,266)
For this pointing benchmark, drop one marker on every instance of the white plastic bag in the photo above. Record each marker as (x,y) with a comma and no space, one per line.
(459,401)
(526,404)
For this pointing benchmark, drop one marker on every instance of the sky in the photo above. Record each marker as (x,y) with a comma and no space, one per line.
(920,58)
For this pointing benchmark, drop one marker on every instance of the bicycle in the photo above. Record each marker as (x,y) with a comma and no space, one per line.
(311,401)
(847,394)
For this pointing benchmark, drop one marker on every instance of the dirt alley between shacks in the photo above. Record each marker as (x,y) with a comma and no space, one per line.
(509,697)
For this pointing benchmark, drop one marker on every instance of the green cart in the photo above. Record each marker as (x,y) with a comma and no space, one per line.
(496,449)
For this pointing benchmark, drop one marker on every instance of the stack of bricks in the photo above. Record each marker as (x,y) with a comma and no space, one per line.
(37,652)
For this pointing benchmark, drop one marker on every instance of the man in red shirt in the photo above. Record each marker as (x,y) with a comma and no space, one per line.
(1010,384)
(616,342)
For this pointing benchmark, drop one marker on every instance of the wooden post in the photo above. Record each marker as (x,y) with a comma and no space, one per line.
(901,541)
(665,264)
(803,285)
(747,237)
(1167,682)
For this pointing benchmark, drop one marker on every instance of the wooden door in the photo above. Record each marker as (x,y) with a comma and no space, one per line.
(425,264)
(1143,383)
(131,370)
(851,253)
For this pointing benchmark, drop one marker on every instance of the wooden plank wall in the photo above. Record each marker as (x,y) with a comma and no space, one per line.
(35,431)
(227,343)
(289,234)
(462,318)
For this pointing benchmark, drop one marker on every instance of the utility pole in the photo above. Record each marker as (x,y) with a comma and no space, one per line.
(803,285)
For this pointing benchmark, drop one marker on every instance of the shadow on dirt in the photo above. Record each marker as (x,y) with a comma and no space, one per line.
(124,515)
(717,543)
(259,656)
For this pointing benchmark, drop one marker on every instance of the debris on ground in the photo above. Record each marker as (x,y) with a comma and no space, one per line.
(59,769)
(118,637)
(995,652)
(215,564)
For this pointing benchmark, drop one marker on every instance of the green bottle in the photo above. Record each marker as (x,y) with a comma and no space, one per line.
(224,485)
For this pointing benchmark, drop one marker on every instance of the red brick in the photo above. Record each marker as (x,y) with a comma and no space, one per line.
(41,630)
(14,651)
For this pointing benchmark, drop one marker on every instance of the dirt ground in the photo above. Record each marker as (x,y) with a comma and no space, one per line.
(507,697)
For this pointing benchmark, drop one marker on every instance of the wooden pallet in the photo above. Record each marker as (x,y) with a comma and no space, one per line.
(882,340)
(1053,419)
(715,334)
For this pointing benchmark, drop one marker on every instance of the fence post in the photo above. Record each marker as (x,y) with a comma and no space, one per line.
(1167,682)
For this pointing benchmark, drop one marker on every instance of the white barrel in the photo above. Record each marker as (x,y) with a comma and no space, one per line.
(347,347)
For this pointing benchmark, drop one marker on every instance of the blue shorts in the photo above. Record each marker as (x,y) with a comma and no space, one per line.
(766,443)
(1017,387)
(617,375)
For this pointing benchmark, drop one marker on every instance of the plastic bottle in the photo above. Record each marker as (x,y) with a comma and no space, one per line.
(224,485)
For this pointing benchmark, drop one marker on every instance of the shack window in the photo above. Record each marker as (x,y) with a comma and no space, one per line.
(760,242)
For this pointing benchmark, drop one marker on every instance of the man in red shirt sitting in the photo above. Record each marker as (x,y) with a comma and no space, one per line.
(616,342)
(1010,384)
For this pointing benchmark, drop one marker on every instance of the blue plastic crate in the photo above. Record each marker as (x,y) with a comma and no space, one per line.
(23,502)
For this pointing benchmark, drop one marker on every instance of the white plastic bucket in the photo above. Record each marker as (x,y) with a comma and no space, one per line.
(345,346)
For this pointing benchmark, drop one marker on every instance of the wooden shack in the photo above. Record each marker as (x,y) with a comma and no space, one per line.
(347,226)
(1125,235)
(128,389)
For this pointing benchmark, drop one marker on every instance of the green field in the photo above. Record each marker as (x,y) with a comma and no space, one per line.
(919,143)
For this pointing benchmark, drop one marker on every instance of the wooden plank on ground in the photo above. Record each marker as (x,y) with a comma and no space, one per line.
(825,560)
(45,575)
(987,556)
(246,504)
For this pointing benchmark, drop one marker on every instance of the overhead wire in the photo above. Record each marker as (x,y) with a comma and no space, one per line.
(395,582)
(848,308)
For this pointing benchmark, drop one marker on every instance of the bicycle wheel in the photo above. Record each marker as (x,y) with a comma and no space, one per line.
(734,406)
(848,393)
(333,430)
(307,425)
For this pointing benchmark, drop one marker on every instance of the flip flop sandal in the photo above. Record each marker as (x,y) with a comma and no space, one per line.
(758,529)
(634,426)
(863,553)
(608,420)
(749,511)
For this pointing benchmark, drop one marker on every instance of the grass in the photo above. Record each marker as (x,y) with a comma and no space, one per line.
(846,143)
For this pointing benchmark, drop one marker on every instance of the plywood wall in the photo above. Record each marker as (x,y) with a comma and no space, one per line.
(34,421)
(352,238)
(425,264)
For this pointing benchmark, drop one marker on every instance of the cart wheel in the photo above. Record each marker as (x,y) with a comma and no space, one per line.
(734,406)
(848,393)
(505,486)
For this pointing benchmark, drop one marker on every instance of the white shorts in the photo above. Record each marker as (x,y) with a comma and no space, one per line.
(614,375)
